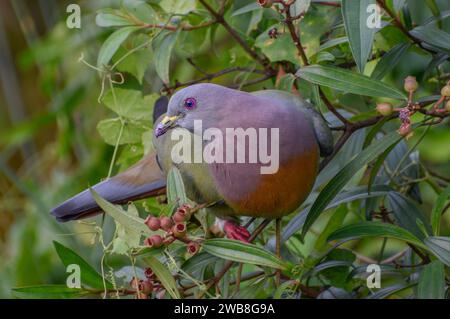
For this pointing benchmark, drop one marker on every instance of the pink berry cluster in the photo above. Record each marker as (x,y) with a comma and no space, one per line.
(147,286)
(175,228)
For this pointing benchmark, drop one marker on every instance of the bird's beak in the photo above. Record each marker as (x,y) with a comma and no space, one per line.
(166,123)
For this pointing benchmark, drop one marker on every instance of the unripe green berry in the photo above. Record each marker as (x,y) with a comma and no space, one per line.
(385,109)
(446,90)
(411,84)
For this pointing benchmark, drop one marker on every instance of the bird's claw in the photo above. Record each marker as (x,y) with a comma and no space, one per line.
(235,231)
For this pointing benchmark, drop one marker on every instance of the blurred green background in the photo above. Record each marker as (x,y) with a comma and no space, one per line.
(49,144)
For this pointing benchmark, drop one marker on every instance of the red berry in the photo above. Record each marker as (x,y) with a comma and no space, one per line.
(193,247)
(145,287)
(154,241)
(179,230)
(178,217)
(149,274)
(153,223)
(265,3)
(405,130)
(166,223)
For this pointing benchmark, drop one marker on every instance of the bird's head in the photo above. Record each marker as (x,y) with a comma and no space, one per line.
(203,101)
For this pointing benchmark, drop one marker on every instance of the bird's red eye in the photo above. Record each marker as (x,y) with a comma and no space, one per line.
(190,103)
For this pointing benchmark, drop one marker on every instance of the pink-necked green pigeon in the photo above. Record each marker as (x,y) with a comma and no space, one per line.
(236,187)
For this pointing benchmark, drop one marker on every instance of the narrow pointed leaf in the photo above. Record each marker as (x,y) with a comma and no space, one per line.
(243,252)
(163,46)
(164,275)
(359,33)
(432,281)
(357,193)
(389,61)
(432,36)
(437,212)
(440,246)
(48,292)
(89,276)
(374,229)
(408,215)
(176,192)
(341,179)
(112,44)
(133,223)
(348,81)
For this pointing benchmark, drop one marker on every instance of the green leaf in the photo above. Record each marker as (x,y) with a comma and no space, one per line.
(247,8)
(112,44)
(347,81)
(299,6)
(141,10)
(333,224)
(440,246)
(242,252)
(129,221)
(432,281)
(164,275)
(111,18)
(163,45)
(345,174)
(110,129)
(286,82)
(280,49)
(351,195)
(433,7)
(360,36)
(433,36)
(48,292)
(332,43)
(437,212)
(89,276)
(126,238)
(178,7)
(130,104)
(136,58)
(176,192)
(407,214)
(375,229)
(389,291)
(389,61)
(377,165)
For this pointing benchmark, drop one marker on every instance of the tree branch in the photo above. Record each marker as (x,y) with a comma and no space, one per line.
(219,18)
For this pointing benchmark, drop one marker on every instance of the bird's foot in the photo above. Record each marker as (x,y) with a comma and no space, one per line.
(235,231)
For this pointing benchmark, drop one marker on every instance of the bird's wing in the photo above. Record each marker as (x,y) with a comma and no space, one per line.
(144,179)
(321,130)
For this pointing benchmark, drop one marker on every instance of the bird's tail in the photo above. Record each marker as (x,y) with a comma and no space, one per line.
(142,180)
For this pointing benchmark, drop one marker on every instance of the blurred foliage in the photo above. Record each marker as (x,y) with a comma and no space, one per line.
(86,98)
